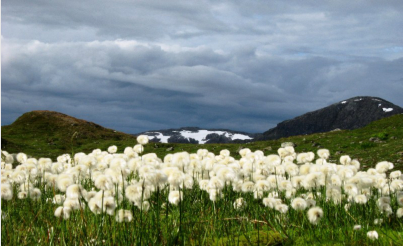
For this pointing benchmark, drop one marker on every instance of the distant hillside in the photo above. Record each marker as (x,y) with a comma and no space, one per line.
(349,114)
(49,134)
(198,136)
(41,131)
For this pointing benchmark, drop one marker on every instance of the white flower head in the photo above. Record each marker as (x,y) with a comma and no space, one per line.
(383,166)
(142,139)
(299,204)
(112,149)
(373,235)
(314,215)
(323,153)
(361,199)
(175,197)
(239,203)
(22,158)
(124,216)
(345,160)
(138,148)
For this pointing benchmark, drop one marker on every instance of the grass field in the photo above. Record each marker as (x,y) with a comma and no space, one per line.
(218,194)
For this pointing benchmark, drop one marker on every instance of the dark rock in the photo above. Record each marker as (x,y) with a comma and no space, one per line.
(215,138)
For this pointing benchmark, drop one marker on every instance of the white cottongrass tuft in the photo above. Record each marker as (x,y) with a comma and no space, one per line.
(357,227)
(112,149)
(142,139)
(175,197)
(138,148)
(103,182)
(299,203)
(58,199)
(399,212)
(361,199)
(63,212)
(383,166)
(345,160)
(323,153)
(373,235)
(124,216)
(6,191)
(314,215)
(239,203)
(22,158)
(244,152)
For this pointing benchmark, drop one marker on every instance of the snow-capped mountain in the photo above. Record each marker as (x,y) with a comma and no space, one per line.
(197,135)
(349,114)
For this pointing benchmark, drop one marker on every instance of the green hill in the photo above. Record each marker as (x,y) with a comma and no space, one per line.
(49,134)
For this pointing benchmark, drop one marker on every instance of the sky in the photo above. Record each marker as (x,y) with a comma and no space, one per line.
(242,65)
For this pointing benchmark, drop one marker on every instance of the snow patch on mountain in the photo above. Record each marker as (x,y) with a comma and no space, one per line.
(387,109)
(200,136)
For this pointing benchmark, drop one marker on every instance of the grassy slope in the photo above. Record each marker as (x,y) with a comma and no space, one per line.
(42,135)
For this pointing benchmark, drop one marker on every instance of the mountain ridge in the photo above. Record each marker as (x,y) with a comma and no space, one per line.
(349,114)
(198,135)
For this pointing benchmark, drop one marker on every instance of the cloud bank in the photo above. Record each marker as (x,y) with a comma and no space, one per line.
(144,65)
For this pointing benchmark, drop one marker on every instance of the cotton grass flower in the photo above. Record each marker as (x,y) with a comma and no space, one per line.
(244,152)
(271,202)
(323,153)
(103,182)
(395,174)
(282,208)
(124,216)
(174,197)
(314,215)
(21,158)
(6,192)
(357,227)
(239,203)
(345,160)
(299,203)
(63,212)
(74,191)
(35,194)
(112,149)
(373,235)
(138,148)
(361,199)
(396,185)
(22,194)
(63,181)
(399,212)
(58,199)
(142,139)
(383,166)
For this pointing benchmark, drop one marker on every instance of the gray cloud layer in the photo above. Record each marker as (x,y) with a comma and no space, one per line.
(142,65)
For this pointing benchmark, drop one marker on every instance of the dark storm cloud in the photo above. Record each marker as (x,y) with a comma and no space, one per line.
(141,65)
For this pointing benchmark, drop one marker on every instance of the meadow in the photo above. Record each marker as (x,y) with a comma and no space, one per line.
(133,196)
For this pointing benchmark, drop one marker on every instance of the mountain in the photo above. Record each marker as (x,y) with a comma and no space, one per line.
(39,131)
(348,114)
(198,136)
